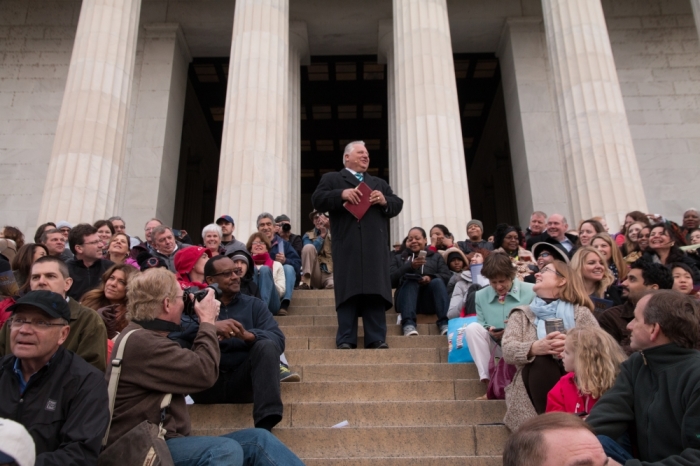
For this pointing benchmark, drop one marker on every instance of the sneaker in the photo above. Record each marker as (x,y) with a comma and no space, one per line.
(288,376)
(409,330)
(303,286)
(443,330)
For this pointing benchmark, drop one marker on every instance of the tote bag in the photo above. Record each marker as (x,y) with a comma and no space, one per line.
(457,348)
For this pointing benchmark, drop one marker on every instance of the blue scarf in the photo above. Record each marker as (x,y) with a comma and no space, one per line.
(556,309)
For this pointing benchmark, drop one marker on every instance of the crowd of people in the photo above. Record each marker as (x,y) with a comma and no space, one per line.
(623,359)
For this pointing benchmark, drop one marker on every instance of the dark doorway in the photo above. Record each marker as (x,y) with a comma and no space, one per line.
(343,99)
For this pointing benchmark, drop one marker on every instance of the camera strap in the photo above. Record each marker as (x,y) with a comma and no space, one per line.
(159,325)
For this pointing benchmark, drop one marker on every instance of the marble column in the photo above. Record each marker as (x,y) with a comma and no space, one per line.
(385,49)
(298,55)
(600,162)
(253,169)
(531,115)
(153,156)
(86,159)
(696,14)
(429,151)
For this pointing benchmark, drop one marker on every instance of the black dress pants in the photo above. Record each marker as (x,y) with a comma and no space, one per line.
(539,377)
(256,380)
(373,312)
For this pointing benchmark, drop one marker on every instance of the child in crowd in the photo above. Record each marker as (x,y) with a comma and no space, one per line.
(592,359)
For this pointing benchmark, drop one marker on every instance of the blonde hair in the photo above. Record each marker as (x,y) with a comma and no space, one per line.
(629,245)
(597,358)
(573,290)
(147,290)
(617,258)
(577,266)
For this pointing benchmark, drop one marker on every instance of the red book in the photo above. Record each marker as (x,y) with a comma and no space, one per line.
(359,210)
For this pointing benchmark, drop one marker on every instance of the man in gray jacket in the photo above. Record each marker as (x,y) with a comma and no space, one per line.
(166,246)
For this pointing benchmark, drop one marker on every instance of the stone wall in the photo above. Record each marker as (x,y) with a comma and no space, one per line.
(657,54)
(36,40)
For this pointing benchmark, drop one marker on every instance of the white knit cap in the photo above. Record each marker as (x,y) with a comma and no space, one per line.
(17,445)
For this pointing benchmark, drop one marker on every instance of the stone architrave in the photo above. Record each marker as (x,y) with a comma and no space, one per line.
(298,55)
(600,161)
(86,161)
(253,170)
(429,169)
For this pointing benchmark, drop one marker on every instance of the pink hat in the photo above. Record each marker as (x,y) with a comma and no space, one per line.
(187,257)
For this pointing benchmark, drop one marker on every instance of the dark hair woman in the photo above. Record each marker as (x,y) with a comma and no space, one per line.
(109,298)
(507,239)
(23,261)
(15,234)
(420,277)
(41,229)
(440,238)
(663,249)
(587,230)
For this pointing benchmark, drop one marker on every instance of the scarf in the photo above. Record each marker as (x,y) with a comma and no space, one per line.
(263,259)
(556,309)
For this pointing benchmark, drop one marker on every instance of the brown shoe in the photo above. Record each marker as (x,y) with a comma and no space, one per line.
(282,312)
(303,286)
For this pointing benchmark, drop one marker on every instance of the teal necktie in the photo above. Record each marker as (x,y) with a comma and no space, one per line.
(359,176)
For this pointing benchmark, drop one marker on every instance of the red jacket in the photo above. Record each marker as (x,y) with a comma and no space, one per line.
(566,397)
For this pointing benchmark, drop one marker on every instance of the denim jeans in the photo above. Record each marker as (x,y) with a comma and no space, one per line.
(252,447)
(615,449)
(263,278)
(290,278)
(430,299)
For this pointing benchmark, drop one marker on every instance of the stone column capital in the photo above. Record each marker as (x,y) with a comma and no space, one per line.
(385,40)
(168,30)
(520,24)
(299,41)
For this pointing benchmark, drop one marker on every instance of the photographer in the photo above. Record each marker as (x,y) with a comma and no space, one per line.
(283,227)
(154,365)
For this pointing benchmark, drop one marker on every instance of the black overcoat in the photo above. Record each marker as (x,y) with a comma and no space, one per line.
(360,249)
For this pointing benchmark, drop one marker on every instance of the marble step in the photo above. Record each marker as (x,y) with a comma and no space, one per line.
(391,319)
(394,341)
(363,356)
(420,461)
(386,372)
(291,331)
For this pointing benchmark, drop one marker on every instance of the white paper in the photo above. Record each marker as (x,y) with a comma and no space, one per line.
(341,424)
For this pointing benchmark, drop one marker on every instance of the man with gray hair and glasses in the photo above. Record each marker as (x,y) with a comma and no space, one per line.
(57,396)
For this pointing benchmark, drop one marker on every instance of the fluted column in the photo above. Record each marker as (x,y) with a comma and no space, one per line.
(253,170)
(431,178)
(86,159)
(600,162)
(696,14)
(298,54)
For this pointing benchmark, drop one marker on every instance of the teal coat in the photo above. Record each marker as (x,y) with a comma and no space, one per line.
(491,313)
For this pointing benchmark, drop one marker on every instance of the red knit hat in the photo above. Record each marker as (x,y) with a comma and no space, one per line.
(187,257)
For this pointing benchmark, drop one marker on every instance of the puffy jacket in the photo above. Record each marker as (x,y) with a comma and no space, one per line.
(64,407)
(434,267)
(566,397)
(658,392)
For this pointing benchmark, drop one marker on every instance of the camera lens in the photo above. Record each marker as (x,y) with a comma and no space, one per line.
(286,227)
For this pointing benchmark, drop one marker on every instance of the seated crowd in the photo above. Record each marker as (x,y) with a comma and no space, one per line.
(625,304)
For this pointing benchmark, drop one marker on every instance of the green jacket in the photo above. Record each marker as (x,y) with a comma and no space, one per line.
(658,390)
(87,337)
(491,313)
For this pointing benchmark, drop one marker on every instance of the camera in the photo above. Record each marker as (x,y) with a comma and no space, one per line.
(198,295)
(286,227)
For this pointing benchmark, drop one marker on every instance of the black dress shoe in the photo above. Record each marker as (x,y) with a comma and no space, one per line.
(344,346)
(377,345)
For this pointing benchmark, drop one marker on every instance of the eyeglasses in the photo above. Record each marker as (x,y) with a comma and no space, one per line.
(91,243)
(547,269)
(225,274)
(64,230)
(545,254)
(256,243)
(34,324)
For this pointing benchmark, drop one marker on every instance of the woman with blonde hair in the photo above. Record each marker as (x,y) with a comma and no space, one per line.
(526,343)
(592,359)
(604,243)
(632,250)
(598,280)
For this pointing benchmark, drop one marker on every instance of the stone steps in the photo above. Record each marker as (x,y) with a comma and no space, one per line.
(405,406)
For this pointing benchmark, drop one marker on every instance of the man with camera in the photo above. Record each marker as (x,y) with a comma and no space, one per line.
(250,343)
(285,254)
(284,229)
(316,255)
(153,365)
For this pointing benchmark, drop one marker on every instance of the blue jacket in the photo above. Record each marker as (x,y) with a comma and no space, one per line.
(252,313)
(291,256)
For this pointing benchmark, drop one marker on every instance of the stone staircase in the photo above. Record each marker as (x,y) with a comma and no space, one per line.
(405,406)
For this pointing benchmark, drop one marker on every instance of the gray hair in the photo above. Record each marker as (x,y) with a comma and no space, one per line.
(350,147)
(264,215)
(159,230)
(212,227)
(154,219)
(116,217)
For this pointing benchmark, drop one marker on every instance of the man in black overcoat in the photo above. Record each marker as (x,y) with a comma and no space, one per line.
(360,248)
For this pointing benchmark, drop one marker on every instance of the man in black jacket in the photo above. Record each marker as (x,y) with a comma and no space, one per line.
(87,267)
(656,397)
(250,343)
(55,394)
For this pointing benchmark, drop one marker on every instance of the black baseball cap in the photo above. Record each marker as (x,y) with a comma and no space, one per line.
(51,303)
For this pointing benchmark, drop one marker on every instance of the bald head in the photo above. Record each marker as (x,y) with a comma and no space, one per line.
(557,227)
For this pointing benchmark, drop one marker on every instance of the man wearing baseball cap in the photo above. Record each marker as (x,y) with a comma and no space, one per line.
(57,396)
(228,241)
(17,446)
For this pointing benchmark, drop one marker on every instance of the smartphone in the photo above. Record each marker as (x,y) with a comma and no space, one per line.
(423,253)
(497,329)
